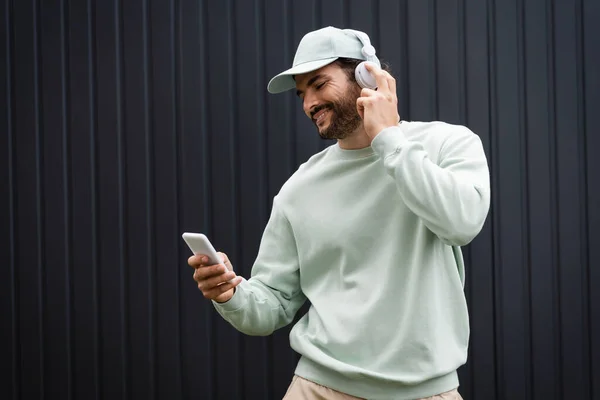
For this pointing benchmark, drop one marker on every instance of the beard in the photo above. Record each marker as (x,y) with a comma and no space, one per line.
(344,118)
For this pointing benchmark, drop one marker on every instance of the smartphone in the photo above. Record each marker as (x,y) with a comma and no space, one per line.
(199,244)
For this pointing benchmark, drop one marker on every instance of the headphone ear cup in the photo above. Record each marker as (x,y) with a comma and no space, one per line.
(364,77)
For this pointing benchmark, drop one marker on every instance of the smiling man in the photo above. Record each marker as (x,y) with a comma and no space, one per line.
(335,115)
(370,232)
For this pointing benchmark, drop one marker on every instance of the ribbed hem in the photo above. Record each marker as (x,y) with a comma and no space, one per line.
(389,141)
(375,389)
(236,301)
(354,154)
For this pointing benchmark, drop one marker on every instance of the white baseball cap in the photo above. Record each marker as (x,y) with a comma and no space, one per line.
(319,48)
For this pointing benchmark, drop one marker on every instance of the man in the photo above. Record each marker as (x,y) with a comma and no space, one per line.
(369,230)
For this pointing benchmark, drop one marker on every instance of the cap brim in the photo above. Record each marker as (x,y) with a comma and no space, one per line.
(285,81)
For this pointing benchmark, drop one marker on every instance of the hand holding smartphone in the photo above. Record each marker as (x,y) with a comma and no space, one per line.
(199,244)
(214,278)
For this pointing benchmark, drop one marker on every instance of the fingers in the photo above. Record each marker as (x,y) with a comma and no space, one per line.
(368,92)
(224,257)
(391,82)
(208,272)
(369,97)
(214,279)
(376,93)
(197,261)
(380,78)
(364,102)
(201,260)
(213,293)
(360,107)
(206,284)
(385,81)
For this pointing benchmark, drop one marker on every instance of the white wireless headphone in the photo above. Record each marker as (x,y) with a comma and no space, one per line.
(364,77)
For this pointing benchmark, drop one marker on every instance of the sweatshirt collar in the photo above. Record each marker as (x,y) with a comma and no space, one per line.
(354,154)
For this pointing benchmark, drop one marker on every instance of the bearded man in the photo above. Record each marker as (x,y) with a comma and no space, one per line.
(370,231)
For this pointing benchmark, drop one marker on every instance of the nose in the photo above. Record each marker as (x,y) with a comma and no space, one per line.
(310,101)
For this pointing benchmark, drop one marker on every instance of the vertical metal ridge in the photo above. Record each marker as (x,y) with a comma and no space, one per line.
(122,198)
(316,24)
(557,317)
(206,139)
(39,195)
(207,172)
(205,122)
(591,192)
(462,110)
(261,100)
(66,129)
(524,192)
(583,179)
(150,233)
(319,13)
(176,65)
(348,14)
(403,17)
(234,150)
(179,190)
(14,296)
(288,28)
(376,34)
(433,53)
(462,63)
(495,210)
(289,105)
(93,126)
(263,149)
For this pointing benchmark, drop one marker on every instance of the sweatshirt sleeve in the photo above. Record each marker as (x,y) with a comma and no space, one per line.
(452,196)
(270,298)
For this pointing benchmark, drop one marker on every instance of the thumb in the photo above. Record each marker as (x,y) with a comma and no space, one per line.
(360,109)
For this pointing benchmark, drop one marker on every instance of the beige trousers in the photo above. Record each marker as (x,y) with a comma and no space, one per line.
(302,389)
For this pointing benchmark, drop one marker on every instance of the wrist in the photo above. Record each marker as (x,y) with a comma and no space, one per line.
(225,297)
(376,131)
(235,302)
(388,141)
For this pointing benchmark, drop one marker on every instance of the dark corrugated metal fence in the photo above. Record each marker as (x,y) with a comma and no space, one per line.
(126,122)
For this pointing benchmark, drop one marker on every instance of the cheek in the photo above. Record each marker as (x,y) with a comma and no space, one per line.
(336,90)
(333,96)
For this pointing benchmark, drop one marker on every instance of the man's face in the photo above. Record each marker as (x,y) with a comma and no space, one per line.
(329,100)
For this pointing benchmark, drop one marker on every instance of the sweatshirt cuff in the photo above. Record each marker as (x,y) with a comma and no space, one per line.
(236,301)
(389,141)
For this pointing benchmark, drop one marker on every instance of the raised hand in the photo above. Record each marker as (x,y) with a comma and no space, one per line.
(378,108)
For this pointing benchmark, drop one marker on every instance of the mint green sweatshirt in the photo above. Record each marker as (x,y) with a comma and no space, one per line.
(372,237)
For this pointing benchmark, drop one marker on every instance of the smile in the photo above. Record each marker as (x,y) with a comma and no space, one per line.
(318,117)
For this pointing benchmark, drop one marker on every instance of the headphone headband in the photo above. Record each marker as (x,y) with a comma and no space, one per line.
(367,50)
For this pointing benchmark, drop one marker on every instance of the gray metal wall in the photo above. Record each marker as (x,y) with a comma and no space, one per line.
(126,122)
